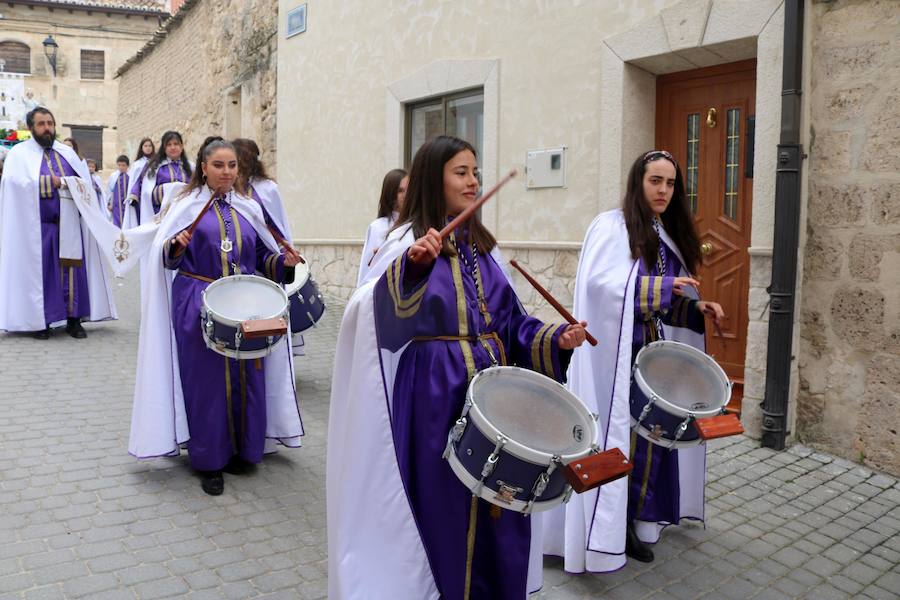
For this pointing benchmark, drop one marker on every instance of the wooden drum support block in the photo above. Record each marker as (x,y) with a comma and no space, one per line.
(596,469)
(720,426)
(260,328)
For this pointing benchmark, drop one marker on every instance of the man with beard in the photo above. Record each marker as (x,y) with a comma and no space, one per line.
(50,270)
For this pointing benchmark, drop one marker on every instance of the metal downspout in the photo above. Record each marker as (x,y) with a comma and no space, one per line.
(782,289)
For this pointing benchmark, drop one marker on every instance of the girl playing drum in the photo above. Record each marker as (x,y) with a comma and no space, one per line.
(633,283)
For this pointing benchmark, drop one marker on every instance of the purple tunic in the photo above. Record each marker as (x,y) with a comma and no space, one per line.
(65,282)
(120,192)
(168,172)
(224,398)
(429,392)
(653,489)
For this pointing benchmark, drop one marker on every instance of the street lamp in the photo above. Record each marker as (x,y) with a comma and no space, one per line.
(50,50)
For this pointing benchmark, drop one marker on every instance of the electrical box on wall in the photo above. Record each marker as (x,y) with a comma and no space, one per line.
(545,168)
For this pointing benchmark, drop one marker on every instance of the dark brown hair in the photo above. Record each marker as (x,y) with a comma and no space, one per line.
(209,145)
(156,159)
(249,164)
(387,204)
(140,150)
(74,145)
(677,218)
(425,206)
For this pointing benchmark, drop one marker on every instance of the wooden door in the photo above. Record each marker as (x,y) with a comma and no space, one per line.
(705,119)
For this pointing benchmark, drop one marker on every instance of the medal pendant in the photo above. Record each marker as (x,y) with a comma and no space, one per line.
(226,245)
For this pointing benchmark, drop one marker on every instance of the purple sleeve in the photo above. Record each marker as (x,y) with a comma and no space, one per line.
(271,264)
(171,260)
(535,346)
(652,294)
(685,313)
(399,295)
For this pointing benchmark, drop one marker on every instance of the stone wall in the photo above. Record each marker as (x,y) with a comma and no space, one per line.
(74,100)
(334,267)
(210,70)
(849,398)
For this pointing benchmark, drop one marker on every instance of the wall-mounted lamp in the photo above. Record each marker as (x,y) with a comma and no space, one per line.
(51,48)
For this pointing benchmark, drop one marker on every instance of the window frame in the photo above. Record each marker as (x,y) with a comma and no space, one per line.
(24,45)
(443,100)
(81,73)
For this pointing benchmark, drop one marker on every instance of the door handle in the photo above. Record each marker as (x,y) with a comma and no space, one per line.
(706,248)
(711,118)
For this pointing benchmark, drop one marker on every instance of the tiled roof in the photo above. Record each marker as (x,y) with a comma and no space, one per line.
(151,6)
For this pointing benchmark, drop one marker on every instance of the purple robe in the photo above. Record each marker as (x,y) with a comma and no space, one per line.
(224,398)
(65,282)
(653,488)
(120,192)
(168,172)
(428,396)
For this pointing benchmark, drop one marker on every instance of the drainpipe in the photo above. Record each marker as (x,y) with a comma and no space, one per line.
(782,289)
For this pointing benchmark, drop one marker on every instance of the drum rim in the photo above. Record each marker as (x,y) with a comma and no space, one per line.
(517,449)
(645,433)
(219,318)
(660,400)
(240,354)
(293,286)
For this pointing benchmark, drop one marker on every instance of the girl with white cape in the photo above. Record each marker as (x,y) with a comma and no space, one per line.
(633,278)
(409,344)
(168,167)
(222,409)
(393,193)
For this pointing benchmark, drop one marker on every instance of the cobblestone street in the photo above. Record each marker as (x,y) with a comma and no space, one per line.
(83,519)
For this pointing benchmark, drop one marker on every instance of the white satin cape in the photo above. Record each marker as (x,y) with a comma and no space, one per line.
(376,236)
(20,241)
(374,546)
(158,421)
(131,210)
(149,182)
(589,531)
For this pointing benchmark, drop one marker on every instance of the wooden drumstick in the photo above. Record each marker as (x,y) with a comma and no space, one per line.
(284,243)
(553,302)
(464,216)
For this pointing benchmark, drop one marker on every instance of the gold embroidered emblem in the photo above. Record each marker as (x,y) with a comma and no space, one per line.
(121,248)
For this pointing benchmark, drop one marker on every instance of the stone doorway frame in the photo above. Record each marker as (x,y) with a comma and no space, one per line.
(690,35)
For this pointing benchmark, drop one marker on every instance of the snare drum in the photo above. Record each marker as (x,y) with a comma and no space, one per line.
(228,302)
(672,385)
(307,306)
(517,430)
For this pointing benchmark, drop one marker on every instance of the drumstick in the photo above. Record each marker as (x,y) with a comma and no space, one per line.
(284,244)
(203,210)
(553,302)
(464,216)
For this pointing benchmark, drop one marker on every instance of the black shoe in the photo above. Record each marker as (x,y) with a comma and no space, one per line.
(212,482)
(43,334)
(238,466)
(74,328)
(635,548)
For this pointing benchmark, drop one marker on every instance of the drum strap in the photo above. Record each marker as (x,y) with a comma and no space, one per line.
(483,338)
(195,276)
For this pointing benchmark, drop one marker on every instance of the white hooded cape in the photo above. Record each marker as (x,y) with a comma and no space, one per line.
(589,531)
(376,236)
(158,421)
(376,551)
(20,241)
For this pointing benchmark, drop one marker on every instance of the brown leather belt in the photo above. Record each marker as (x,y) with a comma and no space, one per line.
(483,339)
(195,276)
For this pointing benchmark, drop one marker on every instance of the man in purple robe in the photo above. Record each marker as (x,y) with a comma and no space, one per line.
(34,195)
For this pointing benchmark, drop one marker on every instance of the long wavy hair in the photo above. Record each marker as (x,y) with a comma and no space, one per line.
(249,164)
(153,163)
(677,218)
(140,151)
(387,204)
(425,206)
(210,145)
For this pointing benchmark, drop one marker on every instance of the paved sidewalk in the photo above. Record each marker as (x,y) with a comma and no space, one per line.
(80,518)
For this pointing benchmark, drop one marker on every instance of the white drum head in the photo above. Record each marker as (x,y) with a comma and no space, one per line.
(244,297)
(301,276)
(684,377)
(533,410)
